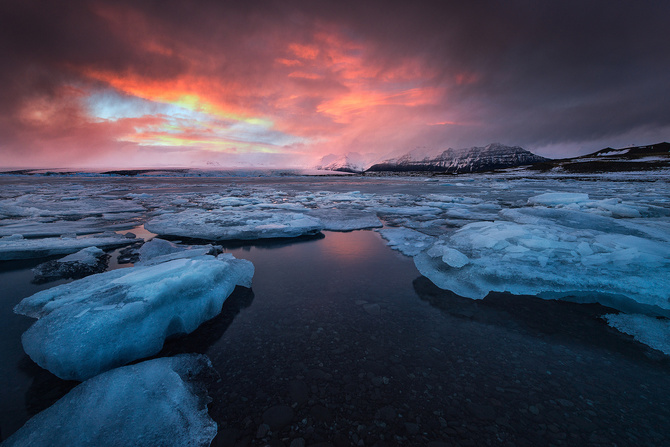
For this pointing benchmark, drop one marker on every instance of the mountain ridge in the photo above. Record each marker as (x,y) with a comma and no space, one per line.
(456,161)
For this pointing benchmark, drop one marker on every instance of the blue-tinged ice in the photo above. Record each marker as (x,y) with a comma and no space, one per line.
(407,241)
(159,402)
(219,225)
(553,261)
(107,320)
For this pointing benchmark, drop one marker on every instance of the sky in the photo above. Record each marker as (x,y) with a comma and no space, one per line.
(283,83)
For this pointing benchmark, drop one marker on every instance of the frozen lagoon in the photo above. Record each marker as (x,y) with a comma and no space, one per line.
(351,332)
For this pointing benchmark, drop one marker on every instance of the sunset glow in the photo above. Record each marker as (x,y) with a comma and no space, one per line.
(128,82)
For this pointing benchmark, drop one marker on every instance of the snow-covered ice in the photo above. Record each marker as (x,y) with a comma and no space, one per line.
(18,247)
(109,319)
(651,331)
(220,225)
(159,402)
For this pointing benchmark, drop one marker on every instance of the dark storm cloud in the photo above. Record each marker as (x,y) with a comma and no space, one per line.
(521,72)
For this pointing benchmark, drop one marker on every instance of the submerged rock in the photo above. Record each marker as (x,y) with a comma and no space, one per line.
(77,265)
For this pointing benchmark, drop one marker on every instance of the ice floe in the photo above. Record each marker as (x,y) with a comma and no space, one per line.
(18,247)
(230,225)
(552,261)
(157,402)
(107,320)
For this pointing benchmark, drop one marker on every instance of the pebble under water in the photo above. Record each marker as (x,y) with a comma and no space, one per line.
(342,342)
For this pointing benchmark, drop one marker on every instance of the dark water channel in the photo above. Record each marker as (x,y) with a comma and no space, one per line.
(342,342)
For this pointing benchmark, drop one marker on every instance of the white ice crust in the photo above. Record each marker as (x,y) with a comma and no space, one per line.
(109,319)
(152,403)
(653,332)
(221,225)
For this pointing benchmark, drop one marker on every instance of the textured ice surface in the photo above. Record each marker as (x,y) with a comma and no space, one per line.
(653,332)
(107,320)
(154,403)
(228,225)
(159,250)
(551,260)
(407,241)
(346,219)
(88,256)
(17,247)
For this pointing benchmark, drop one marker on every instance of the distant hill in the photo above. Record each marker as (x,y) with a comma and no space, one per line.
(473,159)
(635,158)
(351,162)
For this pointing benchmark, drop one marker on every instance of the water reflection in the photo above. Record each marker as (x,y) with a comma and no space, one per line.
(560,321)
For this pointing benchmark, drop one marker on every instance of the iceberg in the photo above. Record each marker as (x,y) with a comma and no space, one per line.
(231,225)
(157,402)
(107,320)
(17,247)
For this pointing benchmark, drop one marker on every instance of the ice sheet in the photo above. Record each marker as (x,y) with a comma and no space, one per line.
(219,225)
(551,260)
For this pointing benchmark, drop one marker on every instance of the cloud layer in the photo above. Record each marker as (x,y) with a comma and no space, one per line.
(281,83)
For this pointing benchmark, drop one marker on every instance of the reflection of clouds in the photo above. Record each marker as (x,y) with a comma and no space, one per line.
(350,246)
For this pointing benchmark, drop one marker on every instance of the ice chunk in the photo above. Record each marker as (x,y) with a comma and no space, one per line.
(406,241)
(88,256)
(77,265)
(16,247)
(552,261)
(107,320)
(653,332)
(451,257)
(346,219)
(157,402)
(558,198)
(230,224)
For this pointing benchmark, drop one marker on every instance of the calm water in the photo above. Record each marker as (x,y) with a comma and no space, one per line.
(363,350)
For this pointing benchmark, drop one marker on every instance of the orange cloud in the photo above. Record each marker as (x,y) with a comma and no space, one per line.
(304,51)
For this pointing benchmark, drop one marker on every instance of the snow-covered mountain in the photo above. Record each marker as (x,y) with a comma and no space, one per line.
(351,162)
(473,159)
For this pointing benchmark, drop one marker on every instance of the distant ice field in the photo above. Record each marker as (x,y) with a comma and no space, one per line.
(475,237)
